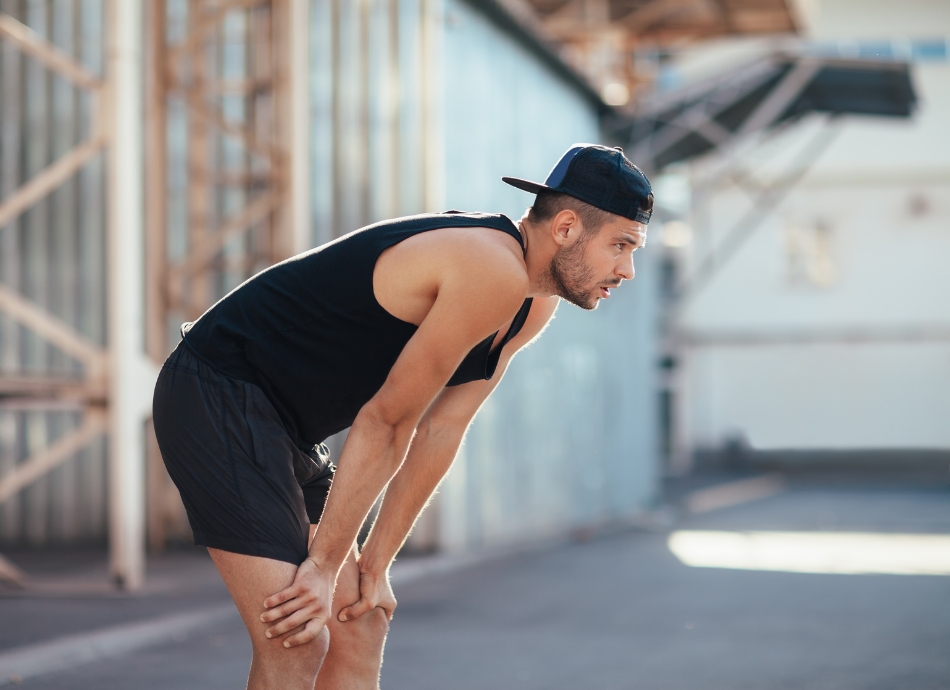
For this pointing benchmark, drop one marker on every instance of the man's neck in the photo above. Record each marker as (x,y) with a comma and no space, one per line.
(535,261)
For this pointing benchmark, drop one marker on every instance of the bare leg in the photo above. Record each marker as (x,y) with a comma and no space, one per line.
(356,647)
(250,580)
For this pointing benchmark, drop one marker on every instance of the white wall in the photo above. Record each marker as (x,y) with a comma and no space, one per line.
(830,328)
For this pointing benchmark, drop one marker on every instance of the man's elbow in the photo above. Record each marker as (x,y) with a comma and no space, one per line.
(394,427)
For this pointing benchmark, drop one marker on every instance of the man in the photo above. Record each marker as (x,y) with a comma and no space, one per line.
(399,331)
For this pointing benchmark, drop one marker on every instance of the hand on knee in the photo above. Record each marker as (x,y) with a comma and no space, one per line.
(377,623)
(303,660)
(364,634)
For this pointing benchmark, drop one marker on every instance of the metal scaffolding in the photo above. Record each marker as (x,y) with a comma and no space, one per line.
(110,384)
(247,207)
(175,164)
(230,79)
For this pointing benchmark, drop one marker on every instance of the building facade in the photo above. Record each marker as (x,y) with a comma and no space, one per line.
(828,329)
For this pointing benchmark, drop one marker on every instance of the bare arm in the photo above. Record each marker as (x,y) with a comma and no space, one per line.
(477,293)
(433,449)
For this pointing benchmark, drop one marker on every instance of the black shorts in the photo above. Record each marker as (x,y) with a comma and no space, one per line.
(246,486)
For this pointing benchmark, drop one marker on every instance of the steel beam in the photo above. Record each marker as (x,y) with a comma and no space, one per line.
(54,455)
(210,245)
(53,58)
(765,202)
(49,179)
(52,329)
(132,376)
(299,151)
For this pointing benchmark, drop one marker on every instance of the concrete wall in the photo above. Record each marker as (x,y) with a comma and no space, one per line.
(830,328)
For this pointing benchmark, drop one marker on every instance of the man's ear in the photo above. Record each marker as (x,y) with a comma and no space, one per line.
(566,227)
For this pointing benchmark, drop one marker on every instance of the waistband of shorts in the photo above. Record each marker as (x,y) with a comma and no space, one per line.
(201,365)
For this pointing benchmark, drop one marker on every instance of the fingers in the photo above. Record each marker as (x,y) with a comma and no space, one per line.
(282,596)
(308,634)
(365,605)
(389,606)
(301,617)
(356,610)
(294,597)
(282,611)
(304,612)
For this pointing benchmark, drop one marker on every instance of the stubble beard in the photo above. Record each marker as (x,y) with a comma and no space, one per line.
(570,277)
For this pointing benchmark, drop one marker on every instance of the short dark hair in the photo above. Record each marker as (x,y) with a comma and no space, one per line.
(548,204)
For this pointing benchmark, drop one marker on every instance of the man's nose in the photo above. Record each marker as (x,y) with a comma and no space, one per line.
(626,270)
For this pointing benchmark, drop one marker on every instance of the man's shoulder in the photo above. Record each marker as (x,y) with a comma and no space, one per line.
(478,250)
(446,219)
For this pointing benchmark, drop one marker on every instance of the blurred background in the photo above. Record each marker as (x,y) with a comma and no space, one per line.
(756,430)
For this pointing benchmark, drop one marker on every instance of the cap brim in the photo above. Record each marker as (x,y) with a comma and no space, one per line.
(525,185)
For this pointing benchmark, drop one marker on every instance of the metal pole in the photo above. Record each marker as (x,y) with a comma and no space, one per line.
(131,378)
(156,193)
(299,149)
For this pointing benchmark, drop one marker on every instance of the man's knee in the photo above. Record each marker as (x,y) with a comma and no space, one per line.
(367,631)
(377,624)
(305,659)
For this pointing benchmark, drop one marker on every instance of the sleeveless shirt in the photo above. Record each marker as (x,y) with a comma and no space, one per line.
(310,332)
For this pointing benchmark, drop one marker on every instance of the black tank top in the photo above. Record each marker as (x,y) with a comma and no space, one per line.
(311,334)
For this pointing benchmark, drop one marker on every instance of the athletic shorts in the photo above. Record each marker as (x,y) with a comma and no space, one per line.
(246,486)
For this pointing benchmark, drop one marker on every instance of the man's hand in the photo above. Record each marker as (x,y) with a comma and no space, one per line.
(306,602)
(374,591)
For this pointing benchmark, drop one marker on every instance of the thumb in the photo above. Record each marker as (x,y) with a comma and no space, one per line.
(356,610)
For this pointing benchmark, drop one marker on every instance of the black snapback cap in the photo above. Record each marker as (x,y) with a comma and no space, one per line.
(599,176)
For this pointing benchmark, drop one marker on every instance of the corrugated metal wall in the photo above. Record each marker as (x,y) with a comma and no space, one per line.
(373,82)
(54,254)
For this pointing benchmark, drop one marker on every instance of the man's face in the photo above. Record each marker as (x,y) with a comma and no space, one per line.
(584,272)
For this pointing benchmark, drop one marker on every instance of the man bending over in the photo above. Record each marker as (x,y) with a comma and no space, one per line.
(399,331)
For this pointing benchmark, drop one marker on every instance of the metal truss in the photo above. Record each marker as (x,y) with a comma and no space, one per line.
(246,206)
(227,200)
(243,179)
(90,391)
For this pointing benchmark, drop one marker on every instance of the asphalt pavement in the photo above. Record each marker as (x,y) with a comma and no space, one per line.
(617,611)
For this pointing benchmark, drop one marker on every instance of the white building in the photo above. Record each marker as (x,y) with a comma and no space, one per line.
(829,328)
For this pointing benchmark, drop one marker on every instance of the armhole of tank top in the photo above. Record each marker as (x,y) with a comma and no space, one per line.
(379,252)
(517,323)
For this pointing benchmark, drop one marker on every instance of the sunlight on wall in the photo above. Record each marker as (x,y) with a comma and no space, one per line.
(845,553)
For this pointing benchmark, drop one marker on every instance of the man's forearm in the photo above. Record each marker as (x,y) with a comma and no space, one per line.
(430,456)
(371,456)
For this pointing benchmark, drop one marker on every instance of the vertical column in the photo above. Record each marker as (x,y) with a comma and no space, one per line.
(394,111)
(299,150)
(432,25)
(156,192)
(128,399)
(11,109)
(199,295)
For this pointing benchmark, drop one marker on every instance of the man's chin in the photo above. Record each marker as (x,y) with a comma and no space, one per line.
(590,304)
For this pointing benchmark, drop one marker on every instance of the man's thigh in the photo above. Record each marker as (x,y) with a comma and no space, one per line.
(250,580)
